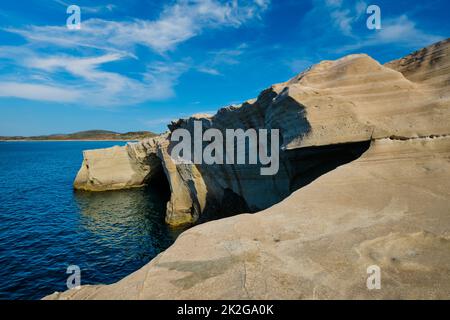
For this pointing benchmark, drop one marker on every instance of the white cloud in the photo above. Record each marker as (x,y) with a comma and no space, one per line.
(361,8)
(117,40)
(346,20)
(342,14)
(221,58)
(85,9)
(342,17)
(32,91)
(176,24)
(93,86)
(400,31)
(211,71)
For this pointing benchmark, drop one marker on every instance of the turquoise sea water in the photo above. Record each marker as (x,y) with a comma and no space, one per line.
(45,226)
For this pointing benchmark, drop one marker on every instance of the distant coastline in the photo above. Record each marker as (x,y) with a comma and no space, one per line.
(90,135)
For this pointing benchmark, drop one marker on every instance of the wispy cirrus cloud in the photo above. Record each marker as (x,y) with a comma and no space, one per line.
(219,58)
(117,40)
(90,84)
(346,20)
(35,91)
(400,31)
(209,70)
(176,24)
(90,9)
(341,13)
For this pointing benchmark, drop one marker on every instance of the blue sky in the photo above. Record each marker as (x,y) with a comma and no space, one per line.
(137,64)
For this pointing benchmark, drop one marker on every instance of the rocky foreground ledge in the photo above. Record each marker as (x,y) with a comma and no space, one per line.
(388,206)
(323,114)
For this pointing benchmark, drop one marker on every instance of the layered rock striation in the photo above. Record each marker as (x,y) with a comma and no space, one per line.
(389,208)
(365,178)
(326,115)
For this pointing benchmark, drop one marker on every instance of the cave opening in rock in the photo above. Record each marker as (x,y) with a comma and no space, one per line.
(158,180)
(308,164)
(299,167)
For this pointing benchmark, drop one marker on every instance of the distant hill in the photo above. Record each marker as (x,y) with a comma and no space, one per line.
(87,135)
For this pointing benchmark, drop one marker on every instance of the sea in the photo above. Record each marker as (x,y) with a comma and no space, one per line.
(46,226)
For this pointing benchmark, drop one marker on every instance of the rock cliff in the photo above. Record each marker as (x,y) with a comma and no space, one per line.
(365,178)
(324,115)
(389,208)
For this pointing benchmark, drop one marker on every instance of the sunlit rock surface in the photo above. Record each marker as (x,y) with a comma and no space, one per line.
(353,99)
(389,208)
(386,205)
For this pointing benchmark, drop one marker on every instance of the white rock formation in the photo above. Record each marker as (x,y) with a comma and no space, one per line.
(352,99)
(389,208)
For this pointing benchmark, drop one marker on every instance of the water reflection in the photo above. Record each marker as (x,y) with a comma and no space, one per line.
(45,226)
(125,224)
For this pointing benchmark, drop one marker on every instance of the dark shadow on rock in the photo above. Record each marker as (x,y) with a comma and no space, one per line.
(234,189)
(231,204)
(158,180)
(310,163)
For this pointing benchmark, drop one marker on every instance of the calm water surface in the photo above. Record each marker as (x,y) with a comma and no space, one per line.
(45,226)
